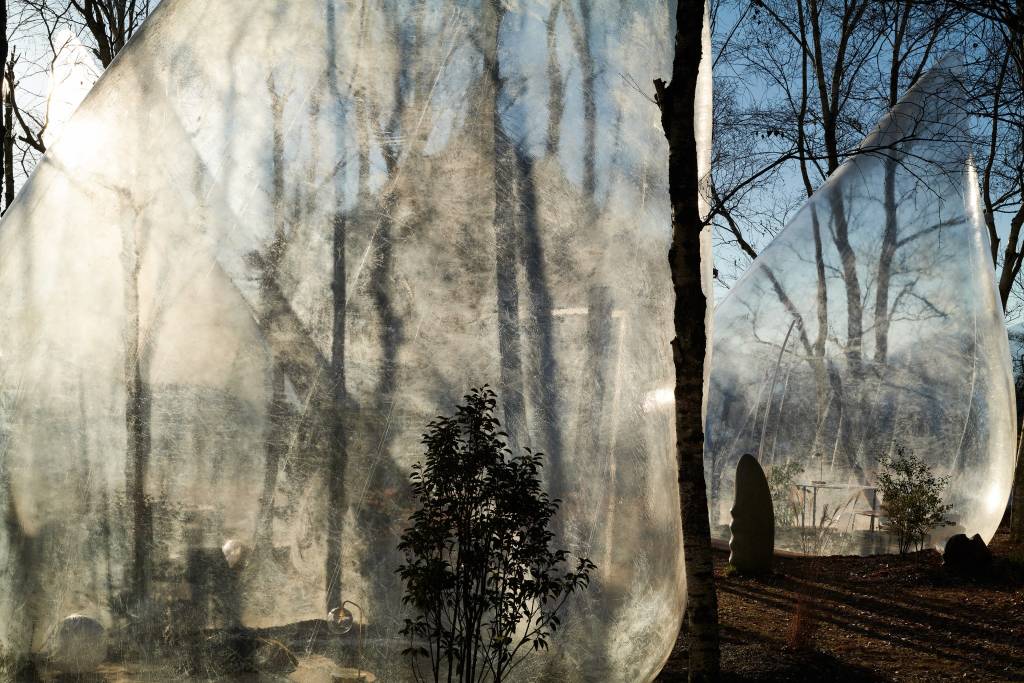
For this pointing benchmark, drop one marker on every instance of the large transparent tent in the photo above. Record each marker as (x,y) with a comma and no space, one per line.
(274,242)
(871,326)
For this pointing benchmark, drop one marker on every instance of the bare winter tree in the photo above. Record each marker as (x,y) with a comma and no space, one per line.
(821,73)
(106,26)
(37,33)
(677,101)
(13,20)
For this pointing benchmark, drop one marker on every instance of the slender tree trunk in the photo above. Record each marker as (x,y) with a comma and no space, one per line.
(677,100)
(275,447)
(590,418)
(1013,256)
(597,347)
(885,260)
(276,405)
(1017,501)
(589,75)
(137,428)
(338,436)
(1005,278)
(548,402)
(556,89)
(338,455)
(817,355)
(851,279)
(8,142)
(506,242)
(6,116)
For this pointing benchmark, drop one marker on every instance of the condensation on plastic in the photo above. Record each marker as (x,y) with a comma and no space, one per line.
(274,242)
(871,324)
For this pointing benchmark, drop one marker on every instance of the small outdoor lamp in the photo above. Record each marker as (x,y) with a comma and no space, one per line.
(341,620)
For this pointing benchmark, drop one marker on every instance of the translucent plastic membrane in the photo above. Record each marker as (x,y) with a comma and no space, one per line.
(275,241)
(870,325)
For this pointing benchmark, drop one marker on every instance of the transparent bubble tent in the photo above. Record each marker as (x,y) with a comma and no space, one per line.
(870,326)
(273,243)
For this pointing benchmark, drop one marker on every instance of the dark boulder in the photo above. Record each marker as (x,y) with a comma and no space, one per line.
(77,645)
(967,557)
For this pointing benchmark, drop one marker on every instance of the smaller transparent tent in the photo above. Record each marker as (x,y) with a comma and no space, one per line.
(274,242)
(870,324)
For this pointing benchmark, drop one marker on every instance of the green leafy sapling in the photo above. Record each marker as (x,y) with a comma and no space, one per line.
(911,498)
(480,576)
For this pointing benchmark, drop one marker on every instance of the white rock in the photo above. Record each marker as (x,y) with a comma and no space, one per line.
(235,552)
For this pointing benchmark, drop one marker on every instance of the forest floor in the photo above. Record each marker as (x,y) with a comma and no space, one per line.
(881,618)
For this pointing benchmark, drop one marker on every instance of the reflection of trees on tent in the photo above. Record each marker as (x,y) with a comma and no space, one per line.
(870,322)
(272,244)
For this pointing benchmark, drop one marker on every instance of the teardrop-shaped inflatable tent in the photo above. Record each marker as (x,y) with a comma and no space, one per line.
(871,327)
(273,243)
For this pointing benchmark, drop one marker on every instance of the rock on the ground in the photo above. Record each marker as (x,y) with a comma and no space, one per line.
(236,553)
(753,519)
(968,557)
(78,645)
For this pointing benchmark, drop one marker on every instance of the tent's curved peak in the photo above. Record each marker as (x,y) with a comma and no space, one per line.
(926,129)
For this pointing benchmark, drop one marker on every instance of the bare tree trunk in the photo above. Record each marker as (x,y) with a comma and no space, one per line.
(338,454)
(596,351)
(816,356)
(137,426)
(276,406)
(904,12)
(1013,258)
(338,437)
(8,141)
(581,32)
(818,349)
(677,101)
(557,91)
(6,116)
(1006,276)
(885,260)
(1017,501)
(506,243)
(275,448)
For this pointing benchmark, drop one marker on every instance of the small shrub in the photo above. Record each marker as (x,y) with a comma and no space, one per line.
(479,573)
(911,498)
(781,483)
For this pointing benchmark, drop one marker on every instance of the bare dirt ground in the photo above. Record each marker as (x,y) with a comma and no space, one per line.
(882,618)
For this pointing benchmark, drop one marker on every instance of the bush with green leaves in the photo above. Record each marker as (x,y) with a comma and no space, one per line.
(911,498)
(781,482)
(480,576)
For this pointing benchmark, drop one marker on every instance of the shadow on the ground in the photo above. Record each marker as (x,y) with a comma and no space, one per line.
(749,661)
(869,619)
